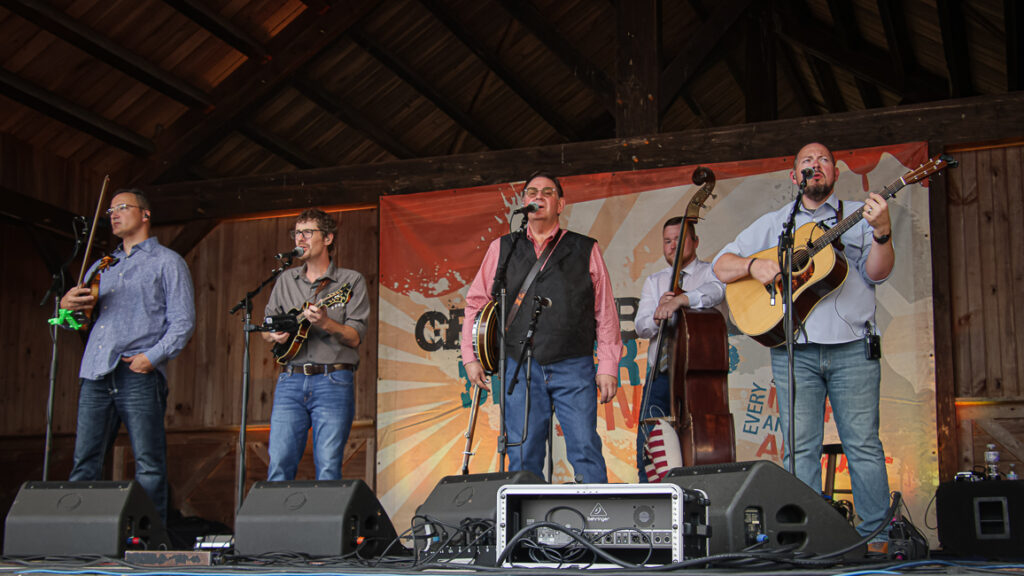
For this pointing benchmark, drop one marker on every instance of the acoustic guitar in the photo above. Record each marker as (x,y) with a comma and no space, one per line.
(284,351)
(818,269)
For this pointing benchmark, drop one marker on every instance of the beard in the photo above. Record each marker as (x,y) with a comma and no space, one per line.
(817,192)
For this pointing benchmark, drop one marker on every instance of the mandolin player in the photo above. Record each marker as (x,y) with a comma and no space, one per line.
(316,386)
(831,359)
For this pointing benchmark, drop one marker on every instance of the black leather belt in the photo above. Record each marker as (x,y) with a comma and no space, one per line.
(311,369)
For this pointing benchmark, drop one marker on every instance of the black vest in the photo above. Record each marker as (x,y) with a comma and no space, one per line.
(567,329)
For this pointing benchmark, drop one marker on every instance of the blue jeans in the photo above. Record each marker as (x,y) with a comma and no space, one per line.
(138,400)
(658,406)
(571,387)
(851,382)
(325,402)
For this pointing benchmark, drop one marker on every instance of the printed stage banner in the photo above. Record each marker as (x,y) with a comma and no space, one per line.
(431,247)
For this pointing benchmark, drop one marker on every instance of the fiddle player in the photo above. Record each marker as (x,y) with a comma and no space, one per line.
(582,311)
(143,317)
(701,289)
(829,356)
(316,388)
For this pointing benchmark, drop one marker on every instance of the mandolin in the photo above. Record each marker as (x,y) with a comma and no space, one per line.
(298,325)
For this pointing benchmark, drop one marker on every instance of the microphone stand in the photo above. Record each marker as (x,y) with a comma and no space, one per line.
(786,242)
(526,357)
(57,289)
(499,292)
(247,328)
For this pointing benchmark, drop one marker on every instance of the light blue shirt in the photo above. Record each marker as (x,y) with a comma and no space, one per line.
(700,285)
(840,317)
(146,305)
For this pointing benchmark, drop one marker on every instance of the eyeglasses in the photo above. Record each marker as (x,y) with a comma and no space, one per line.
(306,234)
(547,191)
(121,208)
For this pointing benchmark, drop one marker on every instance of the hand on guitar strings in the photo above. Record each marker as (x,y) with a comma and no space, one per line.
(316,316)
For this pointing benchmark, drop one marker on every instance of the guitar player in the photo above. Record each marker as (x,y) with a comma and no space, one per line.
(831,359)
(316,389)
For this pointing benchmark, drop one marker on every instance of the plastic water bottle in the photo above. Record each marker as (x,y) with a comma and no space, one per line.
(991,462)
(1012,474)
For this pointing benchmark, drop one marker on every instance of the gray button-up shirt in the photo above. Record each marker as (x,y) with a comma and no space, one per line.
(293,289)
(839,317)
(146,305)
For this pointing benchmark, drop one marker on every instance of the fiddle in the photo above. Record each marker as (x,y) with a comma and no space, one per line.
(80,317)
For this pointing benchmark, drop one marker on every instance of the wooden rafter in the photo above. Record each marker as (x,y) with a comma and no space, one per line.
(787,62)
(492,60)
(292,153)
(952,122)
(894,22)
(954,44)
(353,117)
(591,75)
(73,115)
(849,37)
(694,55)
(427,90)
(760,83)
(638,67)
(1013,16)
(60,25)
(825,78)
(223,28)
(253,81)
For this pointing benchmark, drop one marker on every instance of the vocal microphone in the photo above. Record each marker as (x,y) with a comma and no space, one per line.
(531,207)
(296,252)
(807,173)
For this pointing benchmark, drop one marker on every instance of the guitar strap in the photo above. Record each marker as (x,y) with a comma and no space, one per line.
(525,287)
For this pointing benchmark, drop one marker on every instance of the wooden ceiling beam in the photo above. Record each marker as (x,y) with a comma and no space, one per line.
(31,211)
(825,78)
(760,83)
(73,115)
(221,27)
(952,122)
(870,63)
(191,234)
(353,118)
(849,37)
(1013,16)
(638,67)
(796,83)
(695,53)
(67,29)
(492,60)
(897,36)
(954,44)
(591,75)
(427,90)
(253,81)
(280,147)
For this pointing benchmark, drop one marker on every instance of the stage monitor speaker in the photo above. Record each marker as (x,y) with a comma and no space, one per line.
(757,501)
(316,518)
(457,519)
(976,518)
(82,519)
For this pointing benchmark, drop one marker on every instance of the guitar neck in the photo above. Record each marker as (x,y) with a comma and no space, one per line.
(841,228)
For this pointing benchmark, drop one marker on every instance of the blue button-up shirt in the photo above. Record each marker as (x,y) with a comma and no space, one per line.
(146,305)
(839,317)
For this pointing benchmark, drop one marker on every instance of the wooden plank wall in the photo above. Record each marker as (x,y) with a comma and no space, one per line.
(986,260)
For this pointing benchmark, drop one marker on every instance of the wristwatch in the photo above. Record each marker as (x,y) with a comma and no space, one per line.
(881,239)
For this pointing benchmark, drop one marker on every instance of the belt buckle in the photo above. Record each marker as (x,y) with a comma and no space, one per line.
(307,369)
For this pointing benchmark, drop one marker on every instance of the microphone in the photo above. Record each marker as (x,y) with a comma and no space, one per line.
(296,252)
(531,207)
(807,173)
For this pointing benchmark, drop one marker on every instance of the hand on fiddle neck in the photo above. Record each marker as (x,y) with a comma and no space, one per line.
(78,299)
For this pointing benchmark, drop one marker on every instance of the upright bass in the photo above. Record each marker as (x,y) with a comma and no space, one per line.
(695,344)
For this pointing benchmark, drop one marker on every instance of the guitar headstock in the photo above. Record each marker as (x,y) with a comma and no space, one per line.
(930,167)
(339,297)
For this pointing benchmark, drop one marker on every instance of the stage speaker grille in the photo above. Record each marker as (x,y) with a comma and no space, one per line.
(316,518)
(759,501)
(82,519)
(977,518)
